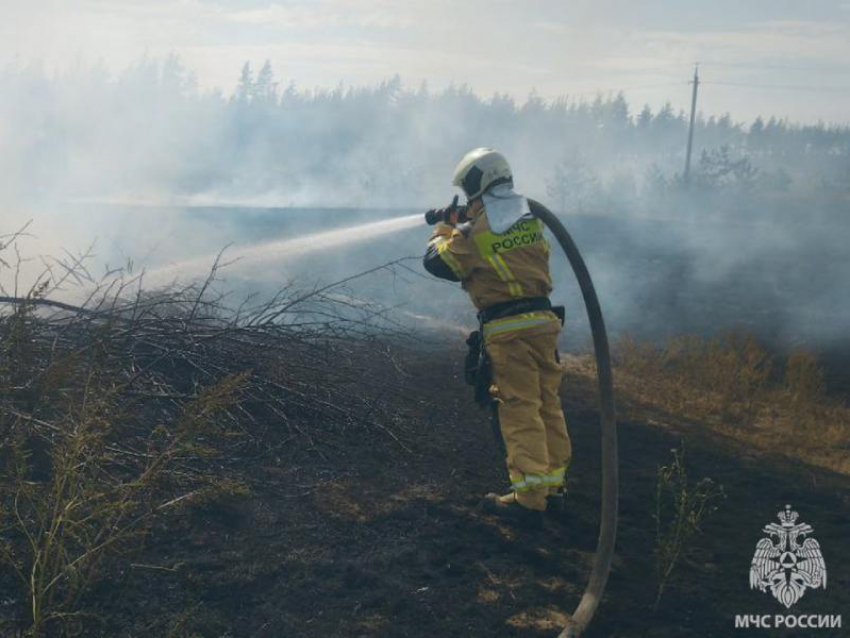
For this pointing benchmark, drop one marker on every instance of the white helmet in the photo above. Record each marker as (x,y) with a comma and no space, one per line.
(481,169)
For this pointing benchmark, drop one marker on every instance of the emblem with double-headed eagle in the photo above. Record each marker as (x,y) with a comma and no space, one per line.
(783,564)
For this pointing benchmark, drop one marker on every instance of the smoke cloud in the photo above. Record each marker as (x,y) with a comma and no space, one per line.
(164,174)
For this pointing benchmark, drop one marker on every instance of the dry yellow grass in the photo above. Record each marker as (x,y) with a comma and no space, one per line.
(732,385)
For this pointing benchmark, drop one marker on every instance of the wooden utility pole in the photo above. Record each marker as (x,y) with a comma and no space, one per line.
(691,127)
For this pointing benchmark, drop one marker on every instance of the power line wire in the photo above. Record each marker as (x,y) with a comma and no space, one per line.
(782,67)
(785,87)
(820,68)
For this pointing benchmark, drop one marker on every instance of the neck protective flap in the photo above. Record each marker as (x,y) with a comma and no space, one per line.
(504,207)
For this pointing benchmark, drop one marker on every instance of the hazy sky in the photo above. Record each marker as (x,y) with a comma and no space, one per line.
(792,57)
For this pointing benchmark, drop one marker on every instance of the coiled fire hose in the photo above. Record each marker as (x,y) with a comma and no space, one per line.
(583,614)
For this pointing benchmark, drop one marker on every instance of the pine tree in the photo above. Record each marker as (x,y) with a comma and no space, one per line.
(645,118)
(245,88)
(265,88)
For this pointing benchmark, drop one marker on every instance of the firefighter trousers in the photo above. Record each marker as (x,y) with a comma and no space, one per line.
(526,379)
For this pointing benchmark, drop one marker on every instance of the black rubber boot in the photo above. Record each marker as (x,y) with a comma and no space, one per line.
(507,508)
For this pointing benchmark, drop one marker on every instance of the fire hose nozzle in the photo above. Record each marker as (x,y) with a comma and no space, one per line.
(451,214)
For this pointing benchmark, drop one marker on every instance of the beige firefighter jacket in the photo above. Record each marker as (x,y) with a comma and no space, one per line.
(494,268)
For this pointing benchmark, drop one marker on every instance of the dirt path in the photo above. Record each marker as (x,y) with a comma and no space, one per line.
(376,534)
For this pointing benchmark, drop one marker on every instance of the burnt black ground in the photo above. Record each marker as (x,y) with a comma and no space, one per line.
(374,532)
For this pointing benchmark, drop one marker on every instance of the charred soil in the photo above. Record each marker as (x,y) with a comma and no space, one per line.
(373,529)
(375,532)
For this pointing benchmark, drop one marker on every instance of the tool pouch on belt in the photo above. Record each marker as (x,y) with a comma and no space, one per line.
(476,369)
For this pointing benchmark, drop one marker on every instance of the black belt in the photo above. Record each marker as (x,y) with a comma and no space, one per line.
(513,307)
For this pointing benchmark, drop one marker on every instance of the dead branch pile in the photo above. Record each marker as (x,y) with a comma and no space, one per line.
(295,349)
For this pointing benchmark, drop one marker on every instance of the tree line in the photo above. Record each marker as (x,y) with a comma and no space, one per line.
(150,129)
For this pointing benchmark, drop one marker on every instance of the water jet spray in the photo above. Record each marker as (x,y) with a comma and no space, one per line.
(263,253)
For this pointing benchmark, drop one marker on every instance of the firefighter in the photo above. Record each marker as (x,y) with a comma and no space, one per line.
(501,258)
